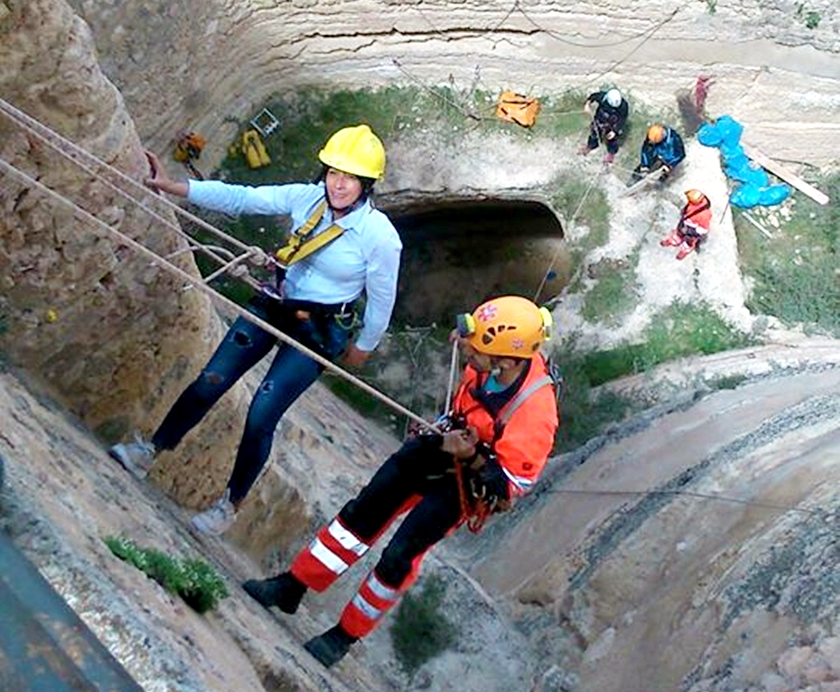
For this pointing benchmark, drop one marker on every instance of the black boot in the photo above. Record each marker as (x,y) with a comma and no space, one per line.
(283,591)
(330,647)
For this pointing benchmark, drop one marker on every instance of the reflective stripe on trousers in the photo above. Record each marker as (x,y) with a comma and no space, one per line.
(373,600)
(328,556)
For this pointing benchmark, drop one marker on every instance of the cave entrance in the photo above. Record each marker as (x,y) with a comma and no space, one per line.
(457,254)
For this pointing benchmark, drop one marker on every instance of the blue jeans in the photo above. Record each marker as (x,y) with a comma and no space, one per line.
(290,374)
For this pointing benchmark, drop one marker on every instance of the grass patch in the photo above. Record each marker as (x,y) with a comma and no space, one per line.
(195,581)
(421,630)
(359,400)
(593,211)
(582,414)
(677,332)
(562,116)
(727,382)
(309,115)
(614,294)
(795,273)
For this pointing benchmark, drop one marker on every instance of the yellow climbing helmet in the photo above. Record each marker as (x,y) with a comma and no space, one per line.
(510,326)
(695,196)
(355,150)
(656,133)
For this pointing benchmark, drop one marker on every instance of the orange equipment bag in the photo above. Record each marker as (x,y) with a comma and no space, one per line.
(517,108)
(189,147)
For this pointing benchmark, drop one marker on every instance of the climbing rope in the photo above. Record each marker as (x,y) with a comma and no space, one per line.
(453,370)
(556,254)
(164,263)
(93,167)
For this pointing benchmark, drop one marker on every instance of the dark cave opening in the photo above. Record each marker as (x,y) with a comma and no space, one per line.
(457,254)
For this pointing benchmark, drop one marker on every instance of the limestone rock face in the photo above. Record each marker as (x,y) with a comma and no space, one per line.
(114,336)
(210,61)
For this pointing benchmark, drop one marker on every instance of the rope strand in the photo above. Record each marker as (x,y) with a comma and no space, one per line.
(69,150)
(214,295)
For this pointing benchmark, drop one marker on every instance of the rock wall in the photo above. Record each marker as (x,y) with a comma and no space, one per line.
(693,548)
(113,336)
(198,65)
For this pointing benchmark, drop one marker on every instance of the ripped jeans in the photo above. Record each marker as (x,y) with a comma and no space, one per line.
(290,374)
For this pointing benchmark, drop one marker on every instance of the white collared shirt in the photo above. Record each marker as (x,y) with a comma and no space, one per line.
(366,257)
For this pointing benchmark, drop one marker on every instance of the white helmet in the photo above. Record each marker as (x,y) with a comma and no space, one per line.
(613,98)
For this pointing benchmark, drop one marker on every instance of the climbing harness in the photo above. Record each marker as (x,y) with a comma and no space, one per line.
(477,507)
(300,245)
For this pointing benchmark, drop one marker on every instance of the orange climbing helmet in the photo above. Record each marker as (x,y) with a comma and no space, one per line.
(510,326)
(695,196)
(355,150)
(656,133)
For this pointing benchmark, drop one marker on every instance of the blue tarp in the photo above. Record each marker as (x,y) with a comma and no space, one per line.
(755,190)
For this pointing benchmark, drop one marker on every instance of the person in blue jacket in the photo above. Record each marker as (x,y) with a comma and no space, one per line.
(662,149)
(313,303)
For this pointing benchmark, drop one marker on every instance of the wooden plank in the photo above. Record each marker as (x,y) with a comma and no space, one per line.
(784,173)
(649,179)
(755,223)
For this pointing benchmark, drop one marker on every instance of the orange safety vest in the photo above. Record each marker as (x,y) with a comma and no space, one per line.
(698,214)
(522,435)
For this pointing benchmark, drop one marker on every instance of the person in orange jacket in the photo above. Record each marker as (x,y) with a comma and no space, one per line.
(494,446)
(693,226)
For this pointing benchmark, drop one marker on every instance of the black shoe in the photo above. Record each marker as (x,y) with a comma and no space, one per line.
(330,647)
(283,591)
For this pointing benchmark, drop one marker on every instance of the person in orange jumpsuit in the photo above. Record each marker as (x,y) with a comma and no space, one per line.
(493,448)
(693,226)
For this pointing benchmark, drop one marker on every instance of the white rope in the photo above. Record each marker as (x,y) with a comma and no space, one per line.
(69,150)
(571,221)
(453,369)
(214,295)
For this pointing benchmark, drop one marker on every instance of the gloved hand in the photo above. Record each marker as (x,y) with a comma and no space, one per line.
(460,443)
(490,484)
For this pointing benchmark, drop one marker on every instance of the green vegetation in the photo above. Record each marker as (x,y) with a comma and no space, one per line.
(727,382)
(562,115)
(583,206)
(308,116)
(193,580)
(614,295)
(366,404)
(810,18)
(584,414)
(678,331)
(795,272)
(421,630)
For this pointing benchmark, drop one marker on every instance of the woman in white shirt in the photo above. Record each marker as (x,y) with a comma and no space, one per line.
(313,303)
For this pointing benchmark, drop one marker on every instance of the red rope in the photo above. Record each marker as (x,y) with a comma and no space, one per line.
(473,515)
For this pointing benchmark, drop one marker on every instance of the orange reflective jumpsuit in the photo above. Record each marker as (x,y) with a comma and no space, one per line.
(419,479)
